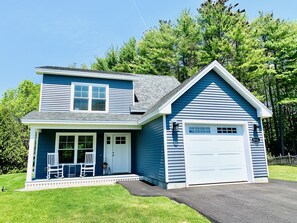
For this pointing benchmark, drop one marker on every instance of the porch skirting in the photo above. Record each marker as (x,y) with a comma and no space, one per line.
(78,181)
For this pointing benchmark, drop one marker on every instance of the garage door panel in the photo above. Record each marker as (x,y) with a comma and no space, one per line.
(209,174)
(201,146)
(230,159)
(232,174)
(215,158)
(201,160)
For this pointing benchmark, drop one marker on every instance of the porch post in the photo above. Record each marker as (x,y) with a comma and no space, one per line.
(31,154)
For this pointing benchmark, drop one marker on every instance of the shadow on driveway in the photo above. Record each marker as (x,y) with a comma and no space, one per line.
(275,201)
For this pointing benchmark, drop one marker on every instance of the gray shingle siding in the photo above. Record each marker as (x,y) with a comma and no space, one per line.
(56,93)
(149,151)
(211,99)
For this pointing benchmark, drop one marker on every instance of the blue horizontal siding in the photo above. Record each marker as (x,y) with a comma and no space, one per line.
(149,151)
(56,93)
(211,99)
(46,144)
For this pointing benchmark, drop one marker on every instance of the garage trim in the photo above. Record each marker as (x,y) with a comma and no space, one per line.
(247,147)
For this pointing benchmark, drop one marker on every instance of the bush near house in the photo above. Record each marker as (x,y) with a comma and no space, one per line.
(87,204)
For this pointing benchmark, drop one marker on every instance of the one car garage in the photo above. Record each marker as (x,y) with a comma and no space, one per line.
(215,153)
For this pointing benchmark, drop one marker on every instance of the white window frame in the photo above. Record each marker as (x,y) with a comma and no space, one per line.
(76,135)
(90,96)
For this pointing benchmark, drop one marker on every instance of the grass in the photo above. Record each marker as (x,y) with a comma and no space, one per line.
(87,204)
(283,172)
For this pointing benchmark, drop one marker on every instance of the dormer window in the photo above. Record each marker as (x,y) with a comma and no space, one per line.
(89,97)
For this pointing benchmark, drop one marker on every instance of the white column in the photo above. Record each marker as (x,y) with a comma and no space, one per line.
(38,131)
(31,155)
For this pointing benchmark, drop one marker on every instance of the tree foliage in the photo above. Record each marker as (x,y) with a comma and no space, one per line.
(261,54)
(14,136)
(278,38)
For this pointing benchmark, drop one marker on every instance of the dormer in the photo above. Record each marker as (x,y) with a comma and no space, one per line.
(78,90)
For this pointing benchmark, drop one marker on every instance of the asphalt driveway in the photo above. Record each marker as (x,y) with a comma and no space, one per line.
(275,201)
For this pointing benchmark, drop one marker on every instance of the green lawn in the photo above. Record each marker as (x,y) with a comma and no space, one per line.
(283,172)
(87,204)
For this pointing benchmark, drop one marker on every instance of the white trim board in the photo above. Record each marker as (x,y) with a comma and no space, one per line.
(40,95)
(86,73)
(90,126)
(265,149)
(165,148)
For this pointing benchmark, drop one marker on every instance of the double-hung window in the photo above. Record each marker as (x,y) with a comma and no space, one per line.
(90,97)
(72,147)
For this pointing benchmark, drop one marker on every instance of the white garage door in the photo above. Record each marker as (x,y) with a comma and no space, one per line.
(215,154)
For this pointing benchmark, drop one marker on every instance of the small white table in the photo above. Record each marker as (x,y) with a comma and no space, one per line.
(71,170)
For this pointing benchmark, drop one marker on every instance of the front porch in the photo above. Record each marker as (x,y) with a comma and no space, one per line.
(42,184)
(70,146)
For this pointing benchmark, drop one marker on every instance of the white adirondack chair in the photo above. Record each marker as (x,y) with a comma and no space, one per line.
(89,165)
(53,166)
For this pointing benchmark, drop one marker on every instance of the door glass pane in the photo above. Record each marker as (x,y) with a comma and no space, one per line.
(227,130)
(123,140)
(108,140)
(120,140)
(199,129)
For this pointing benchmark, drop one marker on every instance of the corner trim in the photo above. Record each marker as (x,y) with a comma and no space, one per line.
(40,95)
(264,144)
(165,148)
(171,186)
(261,180)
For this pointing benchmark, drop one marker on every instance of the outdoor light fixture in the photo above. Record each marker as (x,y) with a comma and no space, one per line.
(256,138)
(175,126)
(256,126)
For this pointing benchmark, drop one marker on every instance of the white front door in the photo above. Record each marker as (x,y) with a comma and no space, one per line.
(117,152)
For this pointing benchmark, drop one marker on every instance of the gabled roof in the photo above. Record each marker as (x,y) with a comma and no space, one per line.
(163,106)
(149,89)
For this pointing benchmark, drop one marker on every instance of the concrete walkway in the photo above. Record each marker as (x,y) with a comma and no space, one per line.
(272,202)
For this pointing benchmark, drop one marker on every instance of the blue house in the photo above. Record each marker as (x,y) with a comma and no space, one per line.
(206,130)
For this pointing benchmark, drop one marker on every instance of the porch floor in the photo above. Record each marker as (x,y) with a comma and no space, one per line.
(41,184)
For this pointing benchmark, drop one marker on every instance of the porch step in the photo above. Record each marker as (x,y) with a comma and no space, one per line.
(78,182)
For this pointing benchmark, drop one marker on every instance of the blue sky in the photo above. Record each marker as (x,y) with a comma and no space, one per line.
(37,33)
